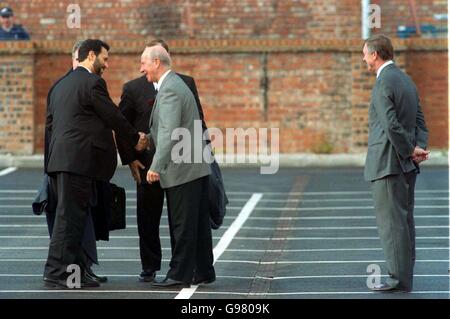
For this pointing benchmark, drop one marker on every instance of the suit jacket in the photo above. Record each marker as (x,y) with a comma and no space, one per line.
(138,97)
(396,125)
(175,108)
(47,133)
(80,120)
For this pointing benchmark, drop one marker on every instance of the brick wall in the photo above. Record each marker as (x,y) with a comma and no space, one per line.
(290,64)
(48,68)
(17,102)
(429,70)
(316,92)
(214,19)
(395,13)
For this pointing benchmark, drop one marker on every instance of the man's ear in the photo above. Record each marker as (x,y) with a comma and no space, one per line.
(158,63)
(91,55)
(375,54)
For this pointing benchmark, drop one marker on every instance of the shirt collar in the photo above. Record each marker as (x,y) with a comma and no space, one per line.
(158,85)
(385,64)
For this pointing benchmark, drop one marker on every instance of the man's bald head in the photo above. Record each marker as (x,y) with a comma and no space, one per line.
(155,61)
(158,52)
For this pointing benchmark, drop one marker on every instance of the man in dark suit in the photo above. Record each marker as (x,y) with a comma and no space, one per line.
(80,120)
(89,236)
(182,175)
(397,141)
(136,105)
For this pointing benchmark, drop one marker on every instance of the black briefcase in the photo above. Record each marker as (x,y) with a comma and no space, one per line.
(118,209)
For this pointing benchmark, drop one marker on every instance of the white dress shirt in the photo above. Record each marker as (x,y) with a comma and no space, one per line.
(161,79)
(385,64)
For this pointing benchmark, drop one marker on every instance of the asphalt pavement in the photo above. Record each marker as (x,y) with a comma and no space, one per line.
(300,233)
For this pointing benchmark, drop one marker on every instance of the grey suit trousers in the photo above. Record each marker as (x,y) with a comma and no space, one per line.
(393,197)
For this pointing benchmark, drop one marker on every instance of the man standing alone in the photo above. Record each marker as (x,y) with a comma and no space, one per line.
(397,141)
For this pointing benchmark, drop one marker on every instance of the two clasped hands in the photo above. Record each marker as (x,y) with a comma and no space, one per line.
(136,165)
(420,155)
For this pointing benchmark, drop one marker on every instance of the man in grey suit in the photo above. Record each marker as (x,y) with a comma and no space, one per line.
(397,141)
(182,173)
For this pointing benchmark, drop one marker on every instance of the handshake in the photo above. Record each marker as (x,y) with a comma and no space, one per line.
(143,142)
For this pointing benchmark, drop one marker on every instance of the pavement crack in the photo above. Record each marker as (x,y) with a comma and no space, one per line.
(274,249)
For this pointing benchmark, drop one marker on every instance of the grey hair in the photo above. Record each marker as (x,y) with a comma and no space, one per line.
(76,47)
(158,52)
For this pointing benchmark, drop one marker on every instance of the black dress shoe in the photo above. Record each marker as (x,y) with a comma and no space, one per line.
(90,274)
(205,281)
(62,283)
(147,276)
(170,283)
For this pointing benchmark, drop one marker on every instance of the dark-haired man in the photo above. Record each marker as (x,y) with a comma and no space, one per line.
(397,141)
(136,105)
(91,233)
(80,120)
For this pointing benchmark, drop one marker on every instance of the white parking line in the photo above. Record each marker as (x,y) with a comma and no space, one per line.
(226,238)
(236,261)
(250,227)
(95,291)
(284,262)
(320,249)
(329,238)
(237,250)
(428,191)
(225,293)
(266,200)
(332,293)
(29,215)
(39,226)
(337,217)
(46,237)
(418,191)
(238,277)
(16,199)
(46,248)
(330,228)
(340,276)
(238,238)
(332,200)
(328,208)
(7,171)
(295,209)
(128,207)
